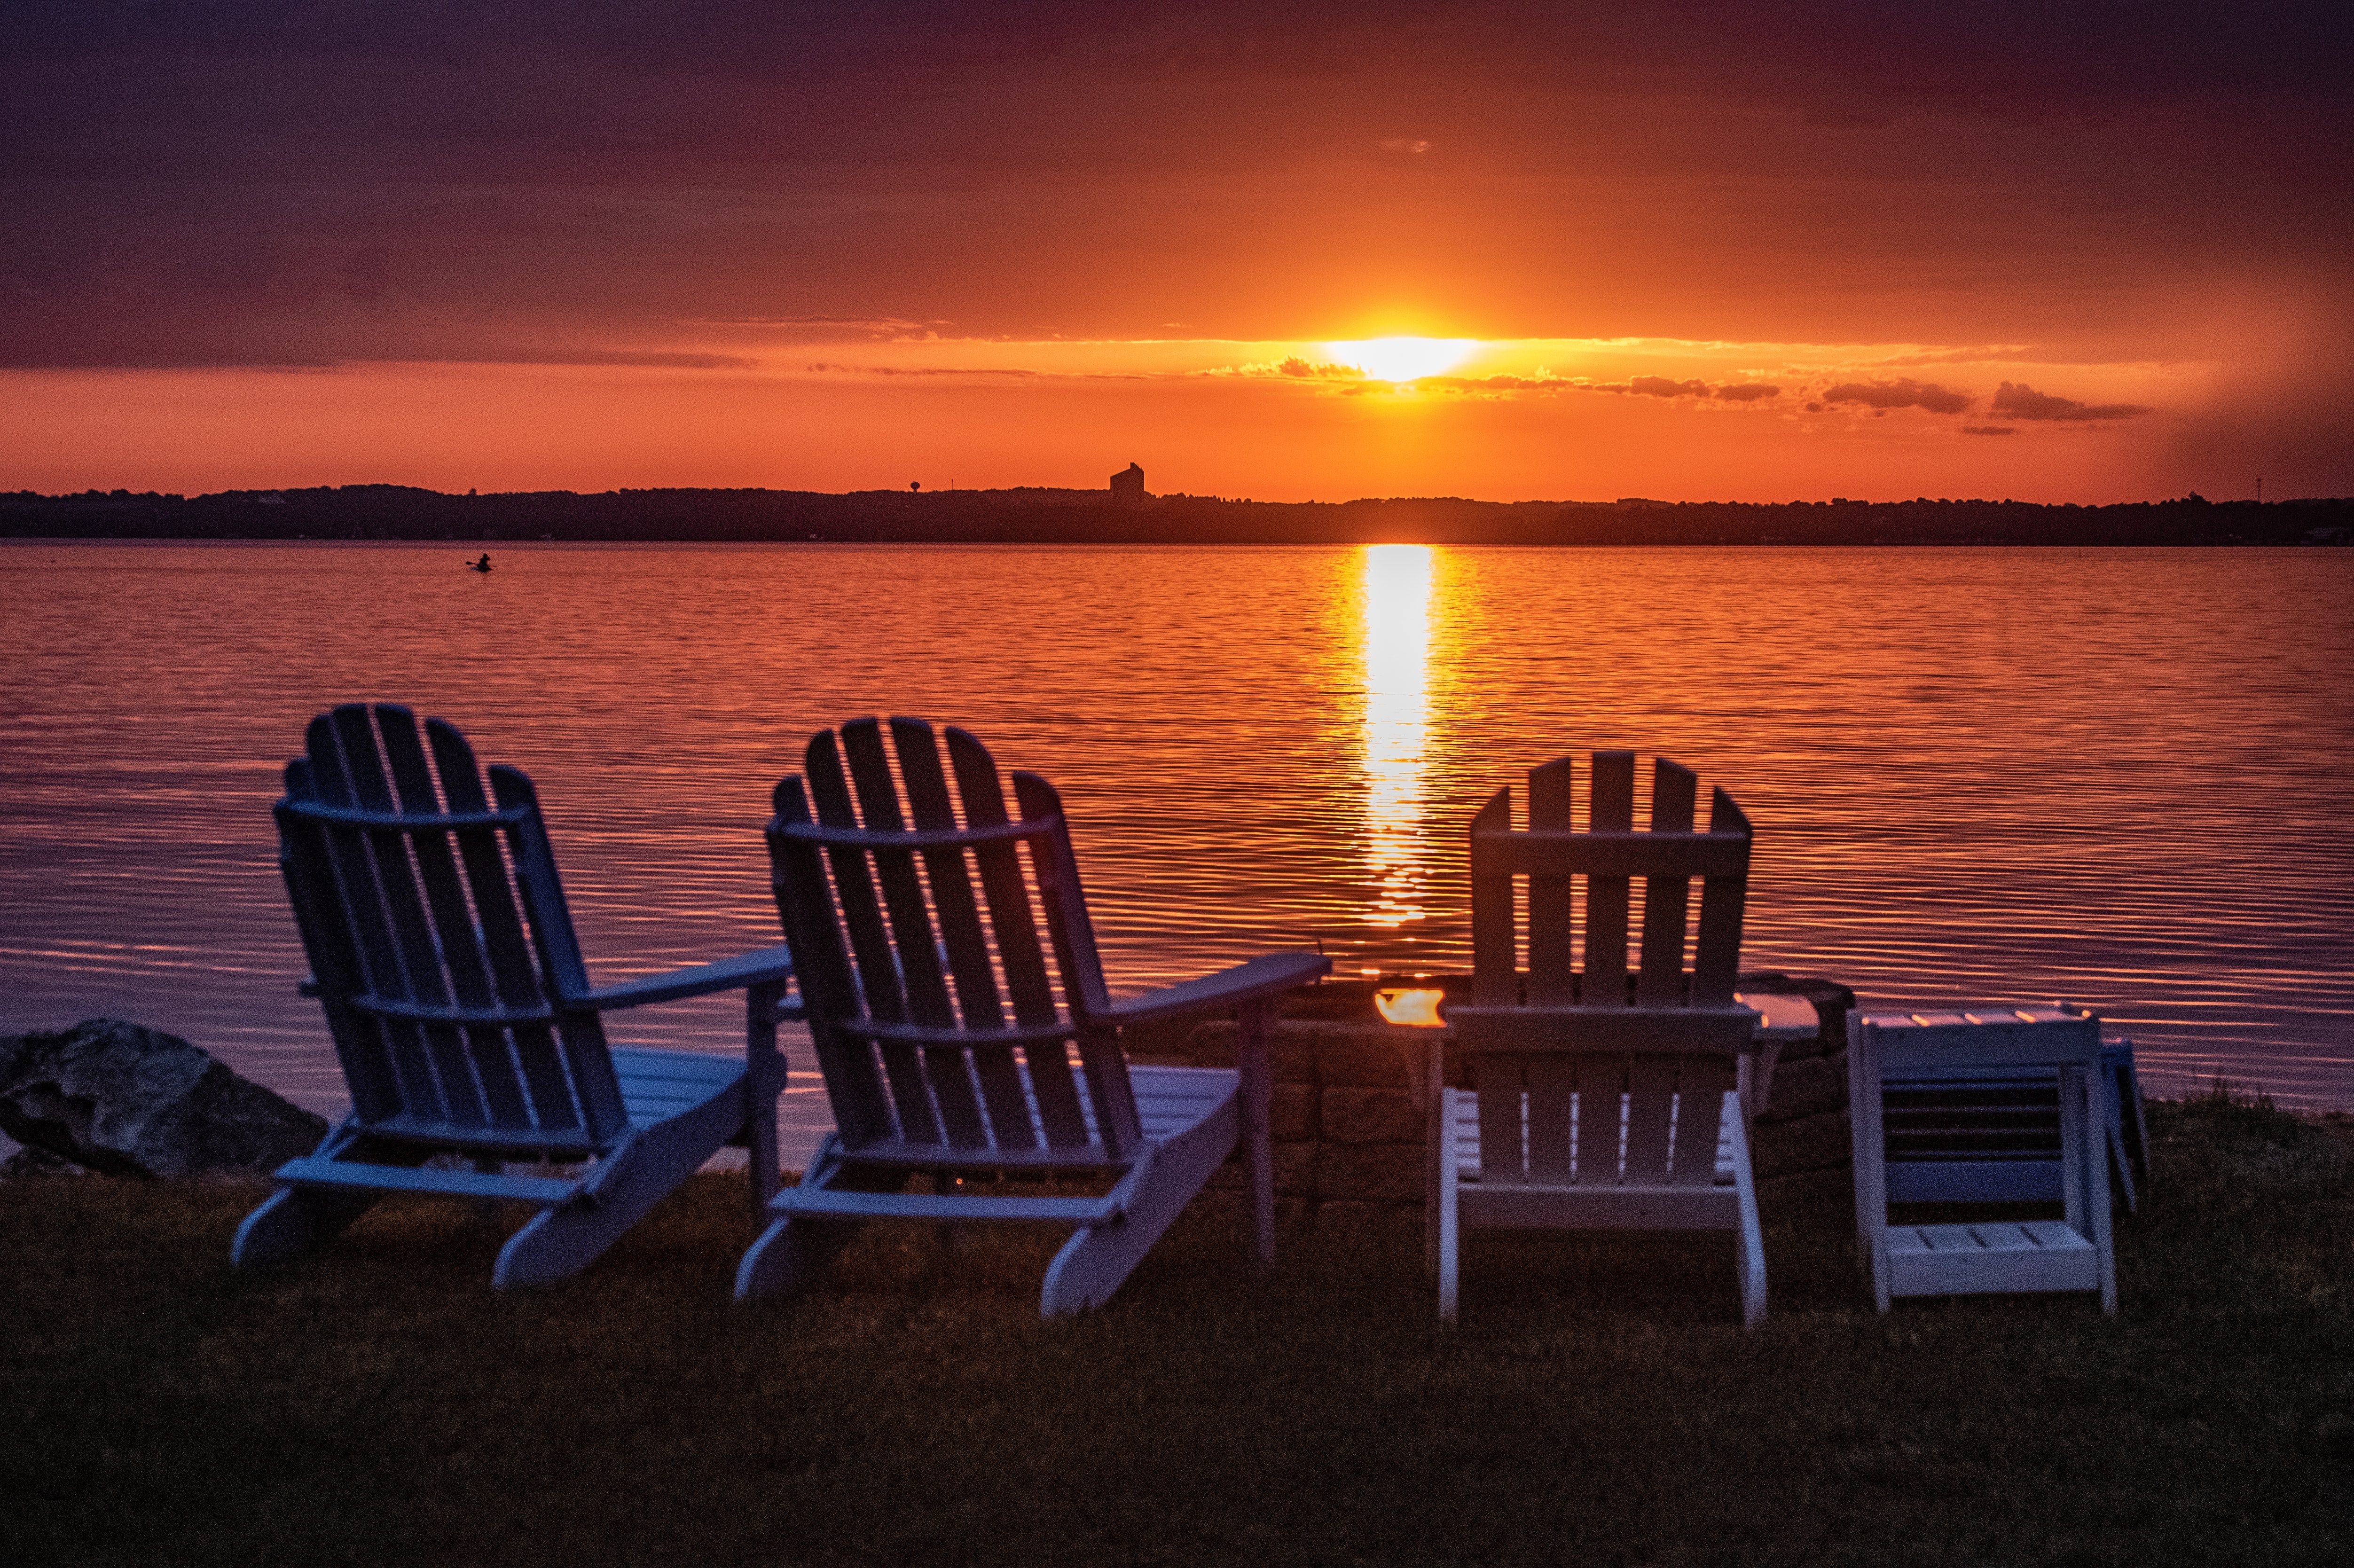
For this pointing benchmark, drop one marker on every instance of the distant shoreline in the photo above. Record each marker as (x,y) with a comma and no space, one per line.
(1037,516)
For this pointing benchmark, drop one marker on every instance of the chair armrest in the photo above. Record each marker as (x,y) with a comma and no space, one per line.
(765,965)
(1270,974)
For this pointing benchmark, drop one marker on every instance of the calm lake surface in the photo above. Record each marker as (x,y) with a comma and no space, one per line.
(2114,777)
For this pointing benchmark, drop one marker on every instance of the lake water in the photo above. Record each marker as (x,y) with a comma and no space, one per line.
(2114,777)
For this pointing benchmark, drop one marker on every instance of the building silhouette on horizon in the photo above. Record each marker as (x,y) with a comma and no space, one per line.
(1128,488)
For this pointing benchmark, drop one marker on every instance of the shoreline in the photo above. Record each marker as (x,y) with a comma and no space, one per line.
(365,514)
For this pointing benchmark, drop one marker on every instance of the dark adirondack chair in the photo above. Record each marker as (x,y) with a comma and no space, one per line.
(443,953)
(1602,1100)
(937,1024)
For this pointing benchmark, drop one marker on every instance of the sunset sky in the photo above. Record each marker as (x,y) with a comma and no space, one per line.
(1755,251)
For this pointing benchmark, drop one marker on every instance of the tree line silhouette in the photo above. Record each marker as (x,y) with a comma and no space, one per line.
(1036,516)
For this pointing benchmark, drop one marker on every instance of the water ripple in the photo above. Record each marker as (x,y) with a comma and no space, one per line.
(2115,777)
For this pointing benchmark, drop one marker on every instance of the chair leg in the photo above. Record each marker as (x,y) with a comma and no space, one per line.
(294,1219)
(1255,1074)
(1434,1146)
(1751,1242)
(764,1082)
(1098,1260)
(789,1254)
(1450,1208)
(647,1167)
(2093,1159)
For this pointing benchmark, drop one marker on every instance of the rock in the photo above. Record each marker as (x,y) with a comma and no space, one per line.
(131,1101)
(34,1164)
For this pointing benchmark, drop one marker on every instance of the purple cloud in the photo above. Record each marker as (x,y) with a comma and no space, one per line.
(1903,393)
(2021,401)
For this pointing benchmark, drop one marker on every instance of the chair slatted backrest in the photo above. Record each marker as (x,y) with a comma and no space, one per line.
(1595,1074)
(908,903)
(439,941)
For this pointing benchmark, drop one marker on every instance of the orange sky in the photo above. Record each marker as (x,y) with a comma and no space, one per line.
(1765,251)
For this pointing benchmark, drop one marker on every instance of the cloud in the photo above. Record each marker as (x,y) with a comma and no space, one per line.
(823,368)
(1291,367)
(1660,386)
(1749,392)
(607,356)
(2021,401)
(1989,429)
(1903,393)
(1981,354)
(1408,144)
(873,326)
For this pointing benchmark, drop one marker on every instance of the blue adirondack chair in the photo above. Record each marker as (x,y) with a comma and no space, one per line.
(442,951)
(945,1051)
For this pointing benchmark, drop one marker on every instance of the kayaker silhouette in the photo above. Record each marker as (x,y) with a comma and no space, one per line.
(481,565)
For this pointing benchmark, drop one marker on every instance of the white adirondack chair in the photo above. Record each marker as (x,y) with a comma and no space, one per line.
(1602,1100)
(945,1051)
(1890,1058)
(442,951)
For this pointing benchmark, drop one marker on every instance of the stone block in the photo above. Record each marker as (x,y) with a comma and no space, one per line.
(1291,1112)
(1291,1053)
(1371,1115)
(1295,1170)
(1291,1048)
(1211,1044)
(1370,1173)
(1362,1057)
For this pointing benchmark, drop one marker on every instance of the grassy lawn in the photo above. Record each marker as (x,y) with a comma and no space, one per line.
(376,1403)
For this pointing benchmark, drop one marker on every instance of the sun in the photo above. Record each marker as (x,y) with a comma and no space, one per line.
(1403,358)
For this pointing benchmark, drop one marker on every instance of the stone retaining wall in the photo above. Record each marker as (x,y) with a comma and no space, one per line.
(1348,1138)
(1798,1144)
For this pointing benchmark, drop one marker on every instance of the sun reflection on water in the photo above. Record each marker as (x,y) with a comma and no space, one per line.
(1397,724)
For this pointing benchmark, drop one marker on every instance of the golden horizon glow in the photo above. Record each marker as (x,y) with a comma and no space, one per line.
(1403,358)
(1524,418)
(1397,724)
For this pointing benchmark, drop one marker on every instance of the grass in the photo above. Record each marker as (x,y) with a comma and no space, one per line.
(376,1403)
